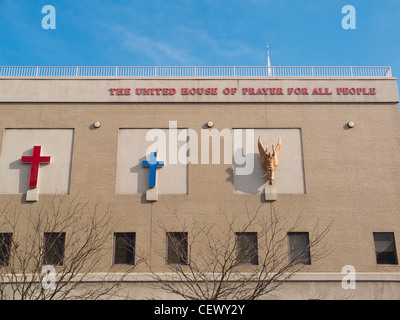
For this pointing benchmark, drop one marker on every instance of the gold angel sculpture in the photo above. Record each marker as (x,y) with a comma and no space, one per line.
(269,160)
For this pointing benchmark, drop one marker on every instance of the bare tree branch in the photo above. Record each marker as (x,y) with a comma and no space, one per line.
(244,258)
(73,236)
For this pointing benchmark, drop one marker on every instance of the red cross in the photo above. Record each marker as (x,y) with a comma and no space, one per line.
(35,161)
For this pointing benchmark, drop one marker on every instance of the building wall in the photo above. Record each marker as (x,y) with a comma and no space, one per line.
(351,175)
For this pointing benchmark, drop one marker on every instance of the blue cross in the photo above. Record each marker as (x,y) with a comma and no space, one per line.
(152,164)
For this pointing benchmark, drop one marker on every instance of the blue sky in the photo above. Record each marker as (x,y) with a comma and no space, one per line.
(200,32)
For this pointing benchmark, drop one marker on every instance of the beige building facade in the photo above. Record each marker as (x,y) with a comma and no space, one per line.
(338,171)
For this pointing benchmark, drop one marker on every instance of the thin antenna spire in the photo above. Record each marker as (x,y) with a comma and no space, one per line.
(269,62)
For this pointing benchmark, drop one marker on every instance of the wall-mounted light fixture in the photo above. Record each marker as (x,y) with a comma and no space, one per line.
(350,124)
(97,124)
(210,124)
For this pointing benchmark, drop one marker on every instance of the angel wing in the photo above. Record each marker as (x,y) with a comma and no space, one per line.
(276,151)
(263,153)
(278,146)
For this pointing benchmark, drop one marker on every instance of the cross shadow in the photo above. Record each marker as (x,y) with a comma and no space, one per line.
(24,172)
(142,176)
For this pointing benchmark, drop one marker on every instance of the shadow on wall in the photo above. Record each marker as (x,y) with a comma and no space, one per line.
(253,182)
(142,176)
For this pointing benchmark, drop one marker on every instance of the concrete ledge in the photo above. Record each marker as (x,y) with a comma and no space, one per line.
(270,193)
(299,277)
(152,194)
(32,195)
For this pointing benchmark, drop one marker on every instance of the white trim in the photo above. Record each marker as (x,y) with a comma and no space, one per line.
(149,277)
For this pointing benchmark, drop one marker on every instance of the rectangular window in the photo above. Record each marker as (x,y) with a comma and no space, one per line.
(54,246)
(177,248)
(299,248)
(5,248)
(385,248)
(247,248)
(124,248)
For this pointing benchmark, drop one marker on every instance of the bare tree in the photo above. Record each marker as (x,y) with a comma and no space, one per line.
(246,258)
(56,251)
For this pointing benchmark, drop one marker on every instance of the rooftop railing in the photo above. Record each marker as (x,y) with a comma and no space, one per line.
(137,72)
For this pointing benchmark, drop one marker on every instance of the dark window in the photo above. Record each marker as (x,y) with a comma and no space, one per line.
(5,248)
(385,248)
(54,245)
(247,248)
(299,248)
(124,248)
(177,248)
